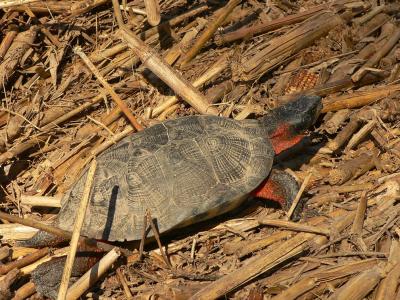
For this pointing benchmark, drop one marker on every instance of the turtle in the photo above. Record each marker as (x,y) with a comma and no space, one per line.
(185,171)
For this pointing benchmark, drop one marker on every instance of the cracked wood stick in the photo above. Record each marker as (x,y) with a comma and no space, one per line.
(79,219)
(209,31)
(388,287)
(342,137)
(7,41)
(121,104)
(161,69)
(220,65)
(302,286)
(368,16)
(21,44)
(167,74)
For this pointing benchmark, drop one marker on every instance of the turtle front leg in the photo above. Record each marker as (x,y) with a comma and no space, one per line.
(279,187)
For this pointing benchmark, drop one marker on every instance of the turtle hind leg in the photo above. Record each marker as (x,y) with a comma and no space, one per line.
(280,187)
(47,276)
(41,239)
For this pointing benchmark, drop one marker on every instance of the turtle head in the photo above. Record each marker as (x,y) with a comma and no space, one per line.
(286,124)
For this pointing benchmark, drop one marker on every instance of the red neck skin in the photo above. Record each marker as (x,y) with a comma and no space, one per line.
(283,139)
(269,190)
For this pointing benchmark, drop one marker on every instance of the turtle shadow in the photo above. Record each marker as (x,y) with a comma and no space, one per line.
(249,206)
(110,212)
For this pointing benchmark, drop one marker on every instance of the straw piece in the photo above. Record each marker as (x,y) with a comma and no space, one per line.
(297,289)
(124,284)
(296,226)
(161,69)
(209,31)
(142,240)
(44,201)
(35,224)
(359,286)
(7,41)
(6,281)
(167,74)
(263,27)
(360,135)
(10,3)
(254,267)
(121,104)
(53,230)
(298,196)
(157,236)
(56,253)
(153,12)
(16,231)
(25,291)
(387,289)
(372,61)
(5,252)
(91,276)
(30,258)
(76,232)
(360,215)
(358,99)
(219,66)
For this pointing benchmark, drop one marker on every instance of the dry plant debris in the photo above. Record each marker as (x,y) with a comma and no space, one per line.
(234,58)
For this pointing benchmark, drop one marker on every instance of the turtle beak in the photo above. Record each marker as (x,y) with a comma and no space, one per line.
(300,114)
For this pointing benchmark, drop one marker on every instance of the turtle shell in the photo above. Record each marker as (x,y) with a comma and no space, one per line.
(183,171)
